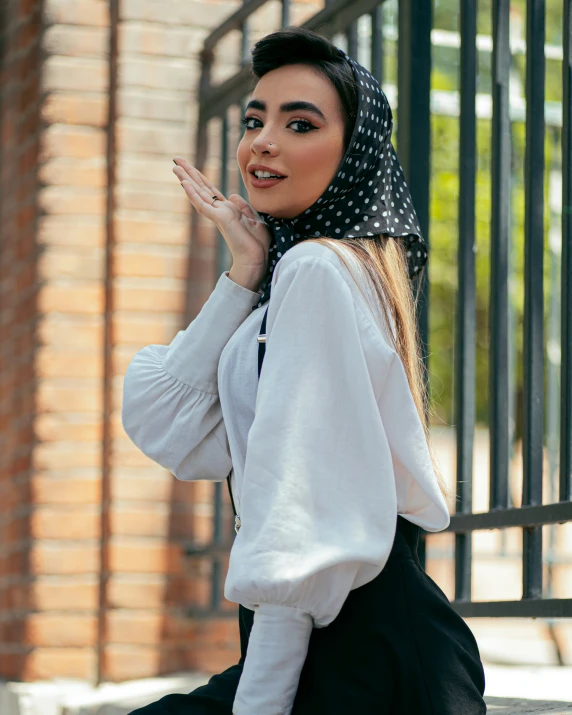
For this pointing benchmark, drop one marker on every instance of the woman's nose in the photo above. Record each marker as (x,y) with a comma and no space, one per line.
(262,143)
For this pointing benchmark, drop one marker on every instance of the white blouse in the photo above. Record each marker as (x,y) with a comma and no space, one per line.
(326,449)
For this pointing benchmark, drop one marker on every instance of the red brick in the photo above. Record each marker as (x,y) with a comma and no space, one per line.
(61,630)
(72,331)
(75,74)
(130,591)
(69,200)
(142,520)
(77,41)
(171,199)
(46,663)
(125,662)
(77,12)
(134,555)
(135,295)
(61,593)
(157,104)
(50,522)
(71,231)
(74,172)
(76,108)
(131,328)
(197,14)
(60,363)
(64,558)
(131,228)
(54,396)
(70,298)
(77,427)
(145,137)
(137,38)
(73,141)
(130,627)
(81,487)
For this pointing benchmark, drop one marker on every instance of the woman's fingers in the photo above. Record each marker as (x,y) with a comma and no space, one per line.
(204,207)
(244,206)
(198,177)
(188,181)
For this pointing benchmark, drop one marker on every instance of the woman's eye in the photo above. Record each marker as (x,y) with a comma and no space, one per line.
(304,125)
(299,126)
(245,121)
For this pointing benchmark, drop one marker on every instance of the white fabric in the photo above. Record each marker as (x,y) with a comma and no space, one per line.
(326,449)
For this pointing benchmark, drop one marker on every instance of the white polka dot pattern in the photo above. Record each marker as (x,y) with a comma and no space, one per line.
(369,187)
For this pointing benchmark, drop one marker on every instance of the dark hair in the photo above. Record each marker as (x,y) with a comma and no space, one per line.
(297,45)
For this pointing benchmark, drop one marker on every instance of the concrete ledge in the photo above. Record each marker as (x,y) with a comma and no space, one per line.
(78,698)
(505,706)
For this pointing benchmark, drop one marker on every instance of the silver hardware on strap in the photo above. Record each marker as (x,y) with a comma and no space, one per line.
(236,523)
(262,338)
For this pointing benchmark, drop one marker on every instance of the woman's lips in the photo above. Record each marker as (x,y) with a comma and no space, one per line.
(264,183)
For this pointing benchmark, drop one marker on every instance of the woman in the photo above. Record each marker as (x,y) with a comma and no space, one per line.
(332,470)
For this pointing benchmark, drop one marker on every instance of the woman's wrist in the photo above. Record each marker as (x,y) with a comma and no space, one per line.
(246,277)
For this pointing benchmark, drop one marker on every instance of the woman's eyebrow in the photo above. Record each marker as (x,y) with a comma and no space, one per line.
(289,107)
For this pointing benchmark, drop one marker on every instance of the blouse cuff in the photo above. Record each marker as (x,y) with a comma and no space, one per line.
(194,356)
(277,649)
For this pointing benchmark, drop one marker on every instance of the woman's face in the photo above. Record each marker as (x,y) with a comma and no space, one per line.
(294,127)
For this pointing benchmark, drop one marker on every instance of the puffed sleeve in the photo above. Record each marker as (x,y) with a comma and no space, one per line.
(171,408)
(318,497)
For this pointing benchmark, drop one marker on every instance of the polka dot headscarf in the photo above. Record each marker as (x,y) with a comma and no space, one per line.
(367,197)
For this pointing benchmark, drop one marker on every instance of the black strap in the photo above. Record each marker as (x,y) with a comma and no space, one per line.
(261,352)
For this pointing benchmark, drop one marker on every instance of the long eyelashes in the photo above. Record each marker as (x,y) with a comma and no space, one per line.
(308,127)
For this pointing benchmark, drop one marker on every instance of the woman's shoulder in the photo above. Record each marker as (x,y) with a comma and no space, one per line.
(347,268)
(323,252)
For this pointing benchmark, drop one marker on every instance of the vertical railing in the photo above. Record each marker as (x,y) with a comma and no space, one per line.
(566,303)
(533,354)
(466,317)
(413,115)
(499,334)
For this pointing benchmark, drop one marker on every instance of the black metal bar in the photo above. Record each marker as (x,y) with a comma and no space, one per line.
(352,38)
(527,608)
(222,250)
(414,126)
(526,516)
(466,316)
(233,22)
(198,613)
(377,44)
(533,344)
(338,15)
(108,348)
(218,536)
(220,549)
(201,148)
(332,19)
(498,312)
(566,288)
(244,42)
(285,19)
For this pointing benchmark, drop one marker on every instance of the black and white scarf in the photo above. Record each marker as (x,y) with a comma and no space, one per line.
(368,197)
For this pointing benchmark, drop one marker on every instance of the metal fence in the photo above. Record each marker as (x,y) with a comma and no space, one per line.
(339,19)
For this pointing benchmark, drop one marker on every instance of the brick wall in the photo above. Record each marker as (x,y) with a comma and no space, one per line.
(94,265)
(21,23)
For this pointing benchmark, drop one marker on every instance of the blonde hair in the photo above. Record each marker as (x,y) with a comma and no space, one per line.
(385,264)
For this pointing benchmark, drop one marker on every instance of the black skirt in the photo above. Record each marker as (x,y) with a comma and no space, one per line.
(397,647)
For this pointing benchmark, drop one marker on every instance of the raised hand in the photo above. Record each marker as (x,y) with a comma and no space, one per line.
(245,233)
